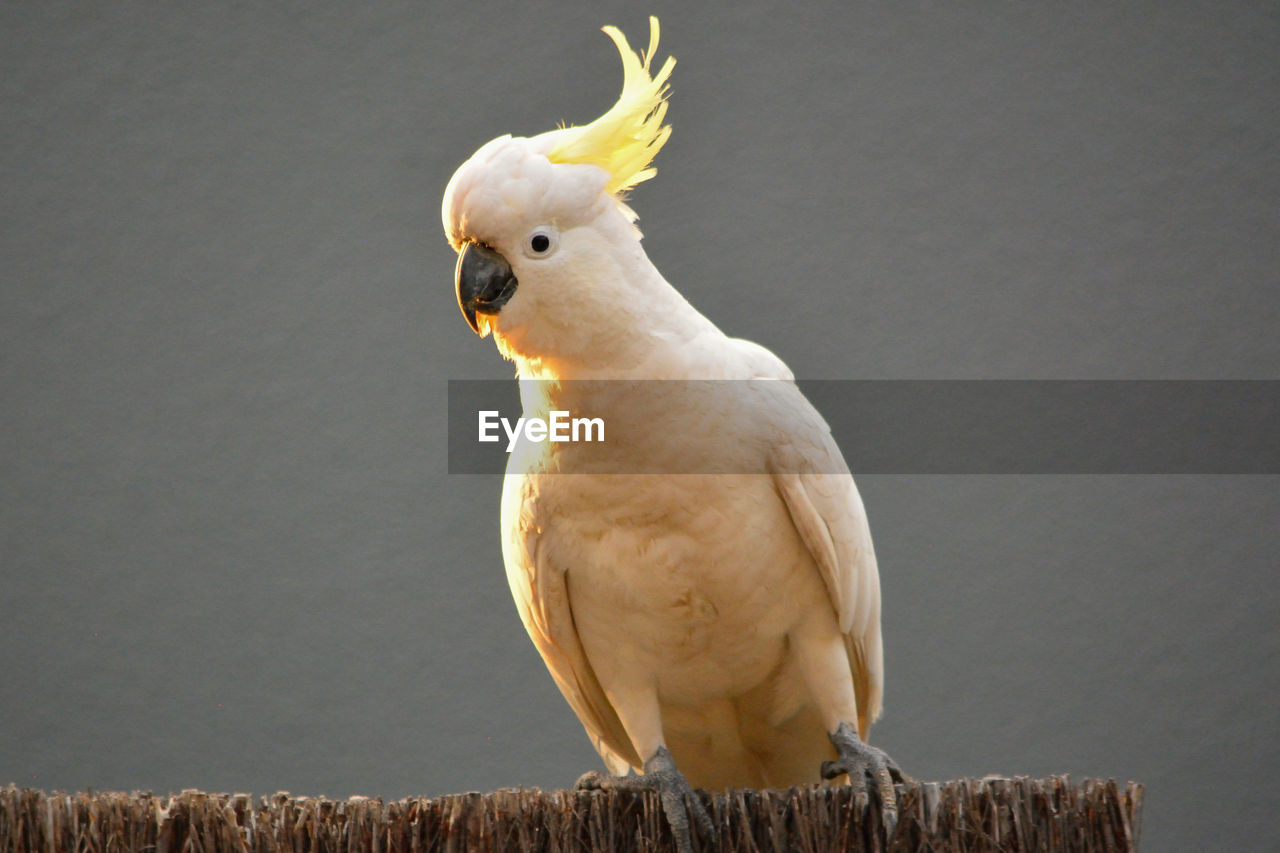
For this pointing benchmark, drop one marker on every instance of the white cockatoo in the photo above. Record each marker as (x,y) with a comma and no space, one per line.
(709,629)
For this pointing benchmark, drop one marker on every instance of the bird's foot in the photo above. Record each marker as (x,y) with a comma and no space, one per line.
(679,802)
(860,761)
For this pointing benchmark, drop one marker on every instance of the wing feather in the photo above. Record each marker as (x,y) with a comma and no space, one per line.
(541,594)
(827,512)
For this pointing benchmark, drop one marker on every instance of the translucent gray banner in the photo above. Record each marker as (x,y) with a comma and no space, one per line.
(880,426)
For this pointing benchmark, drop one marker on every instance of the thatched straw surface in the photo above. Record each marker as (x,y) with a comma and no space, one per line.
(968,815)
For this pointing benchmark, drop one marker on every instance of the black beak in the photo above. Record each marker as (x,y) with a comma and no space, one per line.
(484,282)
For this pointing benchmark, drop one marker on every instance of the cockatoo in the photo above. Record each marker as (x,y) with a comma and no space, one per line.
(710,630)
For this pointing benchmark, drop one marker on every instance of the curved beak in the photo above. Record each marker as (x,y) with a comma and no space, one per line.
(484,282)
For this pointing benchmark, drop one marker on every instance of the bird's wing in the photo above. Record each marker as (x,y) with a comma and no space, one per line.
(542,598)
(827,512)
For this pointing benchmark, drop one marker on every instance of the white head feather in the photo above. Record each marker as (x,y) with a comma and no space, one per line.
(595,295)
(516,173)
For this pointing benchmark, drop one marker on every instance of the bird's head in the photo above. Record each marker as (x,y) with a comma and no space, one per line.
(545,241)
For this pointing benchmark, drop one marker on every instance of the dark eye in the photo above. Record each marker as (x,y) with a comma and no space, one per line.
(541,242)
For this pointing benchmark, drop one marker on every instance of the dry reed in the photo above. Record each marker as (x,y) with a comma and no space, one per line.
(992,814)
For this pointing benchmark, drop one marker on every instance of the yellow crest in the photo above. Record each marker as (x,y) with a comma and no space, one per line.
(624,140)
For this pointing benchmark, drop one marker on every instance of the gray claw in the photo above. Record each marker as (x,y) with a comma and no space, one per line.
(678,799)
(860,761)
(591,781)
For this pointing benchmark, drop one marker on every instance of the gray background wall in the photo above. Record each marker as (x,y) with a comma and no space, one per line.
(232,558)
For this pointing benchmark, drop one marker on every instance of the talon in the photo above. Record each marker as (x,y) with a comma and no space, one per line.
(705,823)
(890,823)
(590,781)
(861,761)
(679,800)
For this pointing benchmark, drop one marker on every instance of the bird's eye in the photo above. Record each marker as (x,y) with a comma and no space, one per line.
(541,242)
